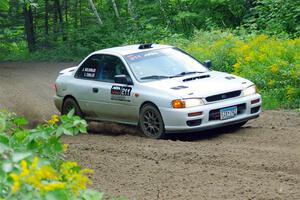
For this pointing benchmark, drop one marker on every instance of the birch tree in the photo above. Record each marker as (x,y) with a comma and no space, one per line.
(95,12)
(115,8)
(129,8)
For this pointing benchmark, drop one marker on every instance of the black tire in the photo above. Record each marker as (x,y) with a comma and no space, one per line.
(69,104)
(151,122)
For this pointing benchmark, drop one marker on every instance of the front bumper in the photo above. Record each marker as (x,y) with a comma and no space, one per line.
(177,120)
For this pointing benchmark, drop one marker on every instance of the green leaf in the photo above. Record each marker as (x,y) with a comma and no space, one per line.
(71,113)
(83,129)
(21,156)
(2,125)
(4,139)
(59,132)
(3,148)
(20,121)
(57,195)
(76,122)
(7,167)
(4,5)
(92,195)
(67,132)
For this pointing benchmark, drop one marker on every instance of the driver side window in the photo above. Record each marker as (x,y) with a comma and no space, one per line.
(111,66)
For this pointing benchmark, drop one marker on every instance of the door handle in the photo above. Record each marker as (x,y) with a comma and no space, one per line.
(95,90)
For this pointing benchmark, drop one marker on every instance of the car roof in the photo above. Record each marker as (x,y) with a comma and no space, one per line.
(130,49)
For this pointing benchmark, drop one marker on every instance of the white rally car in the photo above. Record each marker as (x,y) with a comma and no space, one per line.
(158,87)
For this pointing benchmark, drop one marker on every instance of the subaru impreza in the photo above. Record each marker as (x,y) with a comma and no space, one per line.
(160,88)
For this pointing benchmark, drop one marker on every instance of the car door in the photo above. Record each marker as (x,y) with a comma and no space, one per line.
(82,86)
(114,101)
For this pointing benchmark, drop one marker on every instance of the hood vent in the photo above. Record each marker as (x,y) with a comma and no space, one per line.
(195,78)
(230,77)
(179,87)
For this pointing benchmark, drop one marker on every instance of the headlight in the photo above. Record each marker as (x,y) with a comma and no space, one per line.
(249,91)
(187,103)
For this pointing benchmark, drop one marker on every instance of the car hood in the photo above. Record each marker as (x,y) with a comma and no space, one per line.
(201,85)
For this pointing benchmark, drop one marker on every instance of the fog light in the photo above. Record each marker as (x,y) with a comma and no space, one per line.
(195,114)
(255,101)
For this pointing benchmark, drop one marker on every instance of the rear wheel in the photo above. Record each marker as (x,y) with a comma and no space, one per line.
(68,105)
(151,122)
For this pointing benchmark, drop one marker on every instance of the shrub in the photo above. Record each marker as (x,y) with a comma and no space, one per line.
(272,63)
(32,164)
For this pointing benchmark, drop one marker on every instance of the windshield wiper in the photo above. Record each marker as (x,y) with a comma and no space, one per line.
(185,73)
(154,77)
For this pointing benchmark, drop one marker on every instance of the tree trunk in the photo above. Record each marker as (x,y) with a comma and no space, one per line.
(60,18)
(66,25)
(66,10)
(29,28)
(129,8)
(95,12)
(115,8)
(55,26)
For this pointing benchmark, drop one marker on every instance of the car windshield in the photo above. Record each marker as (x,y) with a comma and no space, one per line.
(163,63)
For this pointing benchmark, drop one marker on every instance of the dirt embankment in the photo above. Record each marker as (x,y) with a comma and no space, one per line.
(259,161)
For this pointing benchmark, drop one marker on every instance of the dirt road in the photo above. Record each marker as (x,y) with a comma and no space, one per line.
(259,161)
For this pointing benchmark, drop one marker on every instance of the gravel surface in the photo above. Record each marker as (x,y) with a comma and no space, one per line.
(259,161)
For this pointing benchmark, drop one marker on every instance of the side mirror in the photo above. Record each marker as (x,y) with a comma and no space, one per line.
(122,79)
(207,64)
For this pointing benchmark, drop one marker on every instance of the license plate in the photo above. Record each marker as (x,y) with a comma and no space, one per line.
(227,113)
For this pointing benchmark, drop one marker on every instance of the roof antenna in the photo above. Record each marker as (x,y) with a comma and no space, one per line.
(145,46)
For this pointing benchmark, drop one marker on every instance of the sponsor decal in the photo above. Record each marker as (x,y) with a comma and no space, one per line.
(89,72)
(143,55)
(120,93)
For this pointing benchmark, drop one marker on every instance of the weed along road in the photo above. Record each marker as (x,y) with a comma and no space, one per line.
(259,161)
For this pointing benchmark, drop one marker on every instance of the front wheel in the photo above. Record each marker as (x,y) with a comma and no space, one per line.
(151,122)
(70,104)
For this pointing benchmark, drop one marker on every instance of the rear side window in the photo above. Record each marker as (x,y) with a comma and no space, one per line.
(90,68)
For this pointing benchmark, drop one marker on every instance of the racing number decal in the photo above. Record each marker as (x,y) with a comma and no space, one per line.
(120,90)
(120,93)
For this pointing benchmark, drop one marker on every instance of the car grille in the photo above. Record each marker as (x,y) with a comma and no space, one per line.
(215,114)
(223,96)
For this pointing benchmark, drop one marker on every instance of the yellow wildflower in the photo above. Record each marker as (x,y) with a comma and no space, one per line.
(274,68)
(76,180)
(25,170)
(249,57)
(47,172)
(16,185)
(54,186)
(236,67)
(260,38)
(34,163)
(244,47)
(65,147)
(290,92)
(53,120)
(45,178)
